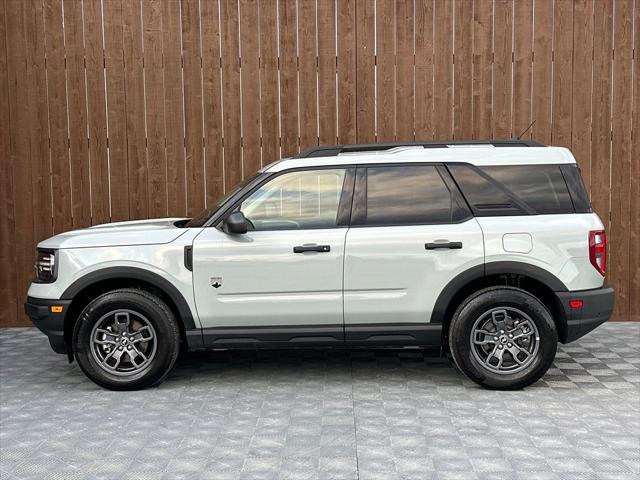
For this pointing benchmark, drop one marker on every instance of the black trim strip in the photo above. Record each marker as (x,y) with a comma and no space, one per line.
(393,334)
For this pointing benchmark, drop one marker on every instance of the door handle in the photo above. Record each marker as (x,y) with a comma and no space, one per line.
(445,244)
(311,248)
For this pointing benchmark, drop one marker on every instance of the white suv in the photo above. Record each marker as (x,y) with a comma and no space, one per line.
(489,250)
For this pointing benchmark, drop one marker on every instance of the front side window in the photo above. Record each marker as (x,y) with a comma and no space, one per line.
(296,200)
(409,195)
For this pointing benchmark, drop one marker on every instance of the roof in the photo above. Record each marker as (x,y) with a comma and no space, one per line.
(480,153)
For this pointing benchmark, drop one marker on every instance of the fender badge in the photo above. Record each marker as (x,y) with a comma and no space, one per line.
(216,282)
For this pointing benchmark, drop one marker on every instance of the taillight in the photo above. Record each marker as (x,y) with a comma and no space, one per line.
(598,250)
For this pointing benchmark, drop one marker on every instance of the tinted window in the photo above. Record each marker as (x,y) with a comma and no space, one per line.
(578,193)
(513,189)
(408,195)
(296,200)
(541,187)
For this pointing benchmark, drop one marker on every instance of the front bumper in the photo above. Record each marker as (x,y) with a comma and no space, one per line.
(597,306)
(51,323)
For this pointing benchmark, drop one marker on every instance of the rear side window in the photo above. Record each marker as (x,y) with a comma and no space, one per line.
(578,193)
(514,189)
(408,195)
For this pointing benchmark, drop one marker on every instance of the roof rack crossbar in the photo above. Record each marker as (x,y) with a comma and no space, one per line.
(334,150)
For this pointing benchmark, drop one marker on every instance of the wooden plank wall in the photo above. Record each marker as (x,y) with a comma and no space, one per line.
(124,109)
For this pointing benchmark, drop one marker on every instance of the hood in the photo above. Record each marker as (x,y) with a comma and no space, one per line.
(136,232)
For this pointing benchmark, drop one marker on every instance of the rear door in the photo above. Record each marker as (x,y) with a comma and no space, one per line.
(411,233)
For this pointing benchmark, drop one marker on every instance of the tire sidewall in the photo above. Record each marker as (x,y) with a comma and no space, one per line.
(461,329)
(158,315)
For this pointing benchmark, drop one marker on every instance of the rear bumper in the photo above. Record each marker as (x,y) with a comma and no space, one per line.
(48,322)
(597,306)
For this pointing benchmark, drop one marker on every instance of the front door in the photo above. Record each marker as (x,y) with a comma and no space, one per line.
(281,281)
(411,233)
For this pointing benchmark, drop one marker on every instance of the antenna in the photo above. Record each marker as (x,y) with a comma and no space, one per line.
(525,130)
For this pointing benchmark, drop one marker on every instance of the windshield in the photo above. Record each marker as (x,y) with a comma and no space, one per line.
(200,219)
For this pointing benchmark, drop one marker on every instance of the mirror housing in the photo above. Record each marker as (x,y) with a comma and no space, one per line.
(236,224)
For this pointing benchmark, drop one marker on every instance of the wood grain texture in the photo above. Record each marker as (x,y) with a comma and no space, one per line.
(424,121)
(250,81)
(212,101)
(327,98)
(618,269)
(96,112)
(482,69)
(122,109)
(463,72)
(346,65)
(154,108)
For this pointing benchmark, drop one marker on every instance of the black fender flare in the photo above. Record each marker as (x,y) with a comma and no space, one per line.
(136,274)
(491,268)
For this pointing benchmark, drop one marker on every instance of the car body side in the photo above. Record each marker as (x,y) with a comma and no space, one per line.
(544,253)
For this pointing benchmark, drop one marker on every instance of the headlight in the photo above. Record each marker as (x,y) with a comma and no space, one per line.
(46,266)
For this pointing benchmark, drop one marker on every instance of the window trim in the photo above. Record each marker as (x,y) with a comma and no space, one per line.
(343,215)
(358,214)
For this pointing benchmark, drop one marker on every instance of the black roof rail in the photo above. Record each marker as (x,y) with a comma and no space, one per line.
(334,150)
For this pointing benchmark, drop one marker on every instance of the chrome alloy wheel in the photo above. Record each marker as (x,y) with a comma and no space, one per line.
(504,340)
(123,342)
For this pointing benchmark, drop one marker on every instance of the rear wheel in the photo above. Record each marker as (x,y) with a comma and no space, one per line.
(503,338)
(126,339)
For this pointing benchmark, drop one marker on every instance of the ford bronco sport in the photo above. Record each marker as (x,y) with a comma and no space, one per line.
(487,249)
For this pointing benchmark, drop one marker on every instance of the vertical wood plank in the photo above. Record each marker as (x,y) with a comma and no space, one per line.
(581,102)
(634,238)
(463,72)
(327,112)
(77,95)
(601,111)
(308,74)
(96,112)
(269,112)
(116,110)
(10,68)
(443,69)
(618,268)
(365,72)
(502,68)
(154,108)
(404,71)
(522,66)
(57,95)
(135,103)
(385,70)
(287,20)
(233,167)
(562,73)
(542,70)
(346,22)
(424,121)
(212,100)
(250,73)
(192,74)
(174,109)
(482,68)
(38,130)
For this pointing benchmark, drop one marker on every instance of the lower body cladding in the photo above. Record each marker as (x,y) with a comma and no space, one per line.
(584,311)
(392,334)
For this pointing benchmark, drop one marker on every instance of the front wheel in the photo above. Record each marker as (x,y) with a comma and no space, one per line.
(126,339)
(503,338)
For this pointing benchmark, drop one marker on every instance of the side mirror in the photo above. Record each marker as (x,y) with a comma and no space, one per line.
(235,223)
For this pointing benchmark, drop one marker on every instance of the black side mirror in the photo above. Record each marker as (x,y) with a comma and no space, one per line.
(236,223)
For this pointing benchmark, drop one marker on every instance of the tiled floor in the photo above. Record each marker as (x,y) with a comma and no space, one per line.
(323,415)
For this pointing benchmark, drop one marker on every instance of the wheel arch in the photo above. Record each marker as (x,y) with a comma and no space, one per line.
(88,287)
(535,280)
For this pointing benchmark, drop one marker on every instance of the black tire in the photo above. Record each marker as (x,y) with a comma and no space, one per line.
(490,301)
(136,307)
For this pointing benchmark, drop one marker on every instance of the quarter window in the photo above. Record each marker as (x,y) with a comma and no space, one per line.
(409,195)
(296,200)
